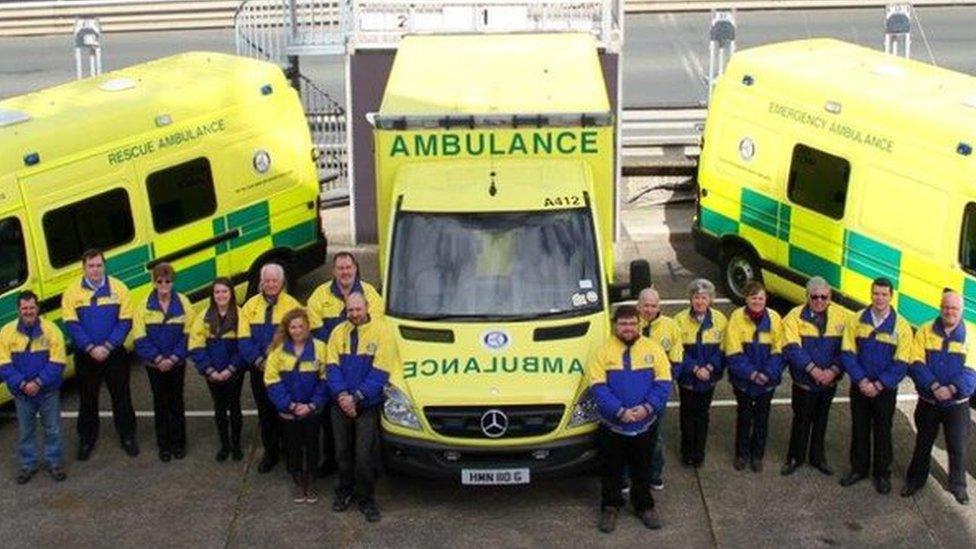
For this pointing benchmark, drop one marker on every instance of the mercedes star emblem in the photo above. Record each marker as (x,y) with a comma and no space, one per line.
(494,423)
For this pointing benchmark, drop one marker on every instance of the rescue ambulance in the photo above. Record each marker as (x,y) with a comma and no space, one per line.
(826,158)
(495,185)
(202,160)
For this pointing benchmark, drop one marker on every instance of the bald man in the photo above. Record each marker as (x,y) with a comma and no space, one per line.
(944,370)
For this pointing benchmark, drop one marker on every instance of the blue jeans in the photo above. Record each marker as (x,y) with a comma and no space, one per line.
(657,454)
(50,411)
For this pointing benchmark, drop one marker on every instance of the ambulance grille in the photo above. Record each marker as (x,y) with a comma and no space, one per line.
(523,421)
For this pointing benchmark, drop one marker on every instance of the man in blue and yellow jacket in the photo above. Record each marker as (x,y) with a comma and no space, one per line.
(31,364)
(944,371)
(362,352)
(876,350)
(812,337)
(630,378)
(260,317)
(98,316)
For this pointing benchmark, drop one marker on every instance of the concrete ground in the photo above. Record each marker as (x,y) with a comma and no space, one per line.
(116,501)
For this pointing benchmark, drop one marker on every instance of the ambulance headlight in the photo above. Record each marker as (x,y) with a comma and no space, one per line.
(398,410)
(585,411)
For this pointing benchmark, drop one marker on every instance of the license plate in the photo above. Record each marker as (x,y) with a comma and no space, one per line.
(494,476)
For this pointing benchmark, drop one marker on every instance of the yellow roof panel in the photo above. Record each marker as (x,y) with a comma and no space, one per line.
(496,73)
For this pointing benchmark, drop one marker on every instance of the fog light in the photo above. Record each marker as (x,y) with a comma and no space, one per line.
(540,454)
(452,456)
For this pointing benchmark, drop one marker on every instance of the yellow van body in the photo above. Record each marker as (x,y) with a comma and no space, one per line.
(203,160)
(826,158)
(495,184)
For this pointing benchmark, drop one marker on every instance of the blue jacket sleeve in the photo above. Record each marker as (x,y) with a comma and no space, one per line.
(797,358)
(372,385)
(893,374)
(320,397)
(146,349)
(51,374)
(181,350)
(718,361)
(248,349)
(279,396)
(608,402)
(201,358)
(79,337)
(657,395)
(922,375)
(337,381)
(773,368)
(965,382)
(119,332)
(853,367)
(740,366)
(12,377)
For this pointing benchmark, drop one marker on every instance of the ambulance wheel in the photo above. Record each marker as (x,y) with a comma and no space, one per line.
(740,266)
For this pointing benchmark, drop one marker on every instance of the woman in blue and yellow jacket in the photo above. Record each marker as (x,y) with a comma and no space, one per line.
(214,351)
(295,377)
(753,345)
(161,331)
(702,329)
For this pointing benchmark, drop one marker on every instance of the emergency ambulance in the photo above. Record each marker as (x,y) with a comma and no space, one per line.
(202,160)
(495,185)
(830,159)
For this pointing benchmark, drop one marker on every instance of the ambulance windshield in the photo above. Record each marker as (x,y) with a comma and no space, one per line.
(497,266)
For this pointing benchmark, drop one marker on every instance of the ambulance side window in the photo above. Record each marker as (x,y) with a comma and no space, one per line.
(818,181)
(967,241)
(102,221)
(13,254)
(181,194)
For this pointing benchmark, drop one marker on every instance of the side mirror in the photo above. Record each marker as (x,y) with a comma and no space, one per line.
(640,277)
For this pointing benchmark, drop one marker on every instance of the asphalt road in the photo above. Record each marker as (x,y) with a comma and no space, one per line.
(665,56)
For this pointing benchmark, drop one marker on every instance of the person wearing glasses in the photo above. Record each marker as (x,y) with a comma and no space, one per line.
(812,336)
(753,348)
(160,334)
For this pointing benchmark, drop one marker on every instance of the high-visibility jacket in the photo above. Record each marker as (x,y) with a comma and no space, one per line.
(159,334)
(947,360)
(215,352)
(258,321)
(808,344)
(754,347)
(328,305)
(702,342)
(664,331)
(34,353)
(623,376)
(97,316)
(297,379)
(360,360)
(877,354)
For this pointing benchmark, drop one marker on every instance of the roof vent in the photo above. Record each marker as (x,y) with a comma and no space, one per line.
(118,84)
(10,117)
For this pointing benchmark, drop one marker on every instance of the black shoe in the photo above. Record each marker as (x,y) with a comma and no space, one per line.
(326,469)
(222,454)
(823,468)
(85,451)
(341,502)
(851,478)
(910,490)
(130,447)
(267,463)
(756,465)
(608,519)
(164,456)
(57,473)
(789,467)
(179,452)
(882,485)
(961,496)
(236,453)
(740,463)
(24,476)
(698,464)
(650,519)
(369,510)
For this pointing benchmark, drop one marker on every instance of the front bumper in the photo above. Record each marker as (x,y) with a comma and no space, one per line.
(422,458)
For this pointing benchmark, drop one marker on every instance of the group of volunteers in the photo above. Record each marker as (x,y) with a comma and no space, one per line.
(317,372)
(818,342)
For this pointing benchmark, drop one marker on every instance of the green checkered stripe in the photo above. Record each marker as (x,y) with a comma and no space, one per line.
(861,254)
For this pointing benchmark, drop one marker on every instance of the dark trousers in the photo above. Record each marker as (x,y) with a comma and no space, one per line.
(115,371)
(657,453)
(301,437)
(169,412)
(227,409)
(751,424)
(327,440)
(694,411)
(267,415)
(630,454)
(871,418)
(356,449)
(810,412)
(955,426)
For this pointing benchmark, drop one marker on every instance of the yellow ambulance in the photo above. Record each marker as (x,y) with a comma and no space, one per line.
(826,158)
(495,186)
(203,160)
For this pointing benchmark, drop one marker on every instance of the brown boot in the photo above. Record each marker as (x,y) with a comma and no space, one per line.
(608,519)
(650,519)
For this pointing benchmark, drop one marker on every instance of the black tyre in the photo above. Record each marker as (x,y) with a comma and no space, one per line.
(740,266)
